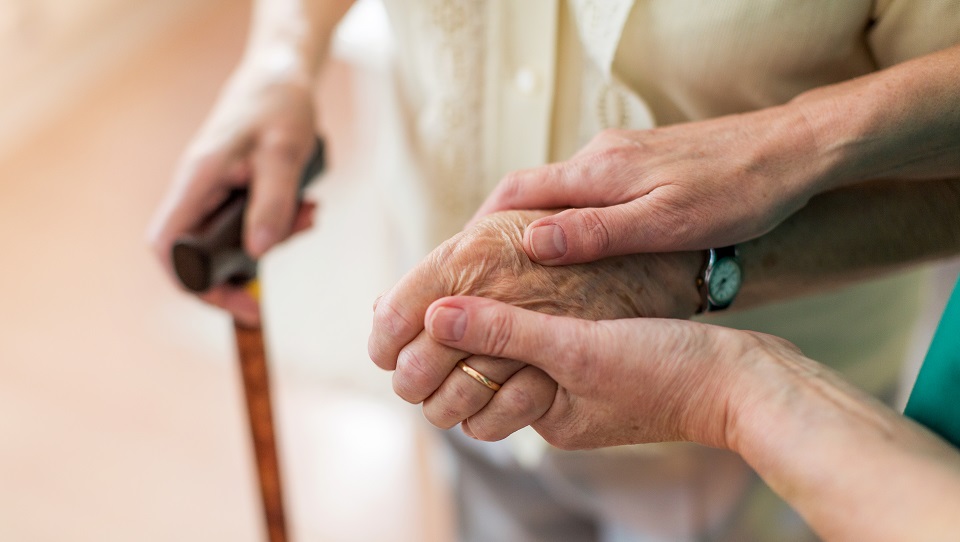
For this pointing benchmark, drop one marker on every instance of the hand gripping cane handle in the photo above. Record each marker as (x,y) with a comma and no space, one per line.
(212,253)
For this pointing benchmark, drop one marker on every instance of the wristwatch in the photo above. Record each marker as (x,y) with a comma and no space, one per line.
(720,280)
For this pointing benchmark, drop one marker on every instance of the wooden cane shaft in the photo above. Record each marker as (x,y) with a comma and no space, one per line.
(256,385)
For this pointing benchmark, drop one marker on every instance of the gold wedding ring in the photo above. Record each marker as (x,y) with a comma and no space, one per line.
(478,376)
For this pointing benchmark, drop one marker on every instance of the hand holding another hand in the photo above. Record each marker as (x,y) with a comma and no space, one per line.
(488,260)
(618,381)
(822,444)
(688,186)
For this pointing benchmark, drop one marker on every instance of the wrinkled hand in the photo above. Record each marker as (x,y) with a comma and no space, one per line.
(260,136)
(818,441)
(683,187)
(620,382)
(488,260)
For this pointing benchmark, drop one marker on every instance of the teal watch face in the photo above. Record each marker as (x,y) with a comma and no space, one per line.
(724,281)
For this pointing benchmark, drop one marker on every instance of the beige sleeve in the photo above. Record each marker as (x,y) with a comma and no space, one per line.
(905,29)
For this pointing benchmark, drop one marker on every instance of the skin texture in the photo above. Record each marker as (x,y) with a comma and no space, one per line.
(488,260)
(853,468)
(712,183)
(258,136)
(659,190)
(727,180)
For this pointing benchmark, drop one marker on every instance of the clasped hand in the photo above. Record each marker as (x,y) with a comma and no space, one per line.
(487,260)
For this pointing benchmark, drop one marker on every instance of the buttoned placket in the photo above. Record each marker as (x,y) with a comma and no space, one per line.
(520,85)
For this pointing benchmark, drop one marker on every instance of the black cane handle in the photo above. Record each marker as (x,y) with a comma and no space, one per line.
(212,254)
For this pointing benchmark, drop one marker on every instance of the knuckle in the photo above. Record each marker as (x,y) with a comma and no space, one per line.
(283,146)
(273,208)
(610,141)
(595,232)
(604,137)
(441,417)
(439,420)
(510,187)
(390,322)
(412,376)
(378,357)
(498,335)
(517,401)
(617,159)
(613,134)
(453,405)
(377,352)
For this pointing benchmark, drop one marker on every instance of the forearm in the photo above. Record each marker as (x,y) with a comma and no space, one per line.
(852,234)
(838,238)
(902,122)
(292,35)
(853,468)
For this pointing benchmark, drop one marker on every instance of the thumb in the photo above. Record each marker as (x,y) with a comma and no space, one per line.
(560,346)
(586,235)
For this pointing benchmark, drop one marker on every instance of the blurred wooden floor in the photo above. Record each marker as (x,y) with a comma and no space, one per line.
(120,411)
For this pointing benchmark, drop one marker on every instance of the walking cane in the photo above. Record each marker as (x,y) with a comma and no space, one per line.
(212,255)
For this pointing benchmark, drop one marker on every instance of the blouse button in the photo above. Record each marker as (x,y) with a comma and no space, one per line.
(525,80)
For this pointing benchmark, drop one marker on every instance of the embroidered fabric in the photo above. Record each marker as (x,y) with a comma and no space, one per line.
(601,24)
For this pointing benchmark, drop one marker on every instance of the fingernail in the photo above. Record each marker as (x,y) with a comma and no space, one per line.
(548,242)
(448,323)
(262,240)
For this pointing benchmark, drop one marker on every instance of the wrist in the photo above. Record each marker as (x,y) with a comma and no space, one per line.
(786,410)
(861,129)
(897,123)
(293,33)
(803,148)
(833,136)
(770,406)
(278,62)
(679,274)
(822,444)
(730,390)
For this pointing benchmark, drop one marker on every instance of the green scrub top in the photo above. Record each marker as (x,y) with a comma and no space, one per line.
(935,399)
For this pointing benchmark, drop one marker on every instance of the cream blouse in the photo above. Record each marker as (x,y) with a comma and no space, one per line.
(489,86)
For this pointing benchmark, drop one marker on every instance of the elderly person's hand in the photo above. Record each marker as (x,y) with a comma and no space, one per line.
(488,260)
(730,179)
(258,136)
(620,382)
(853,468)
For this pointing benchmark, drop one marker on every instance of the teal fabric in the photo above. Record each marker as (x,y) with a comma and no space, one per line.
(935,399)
